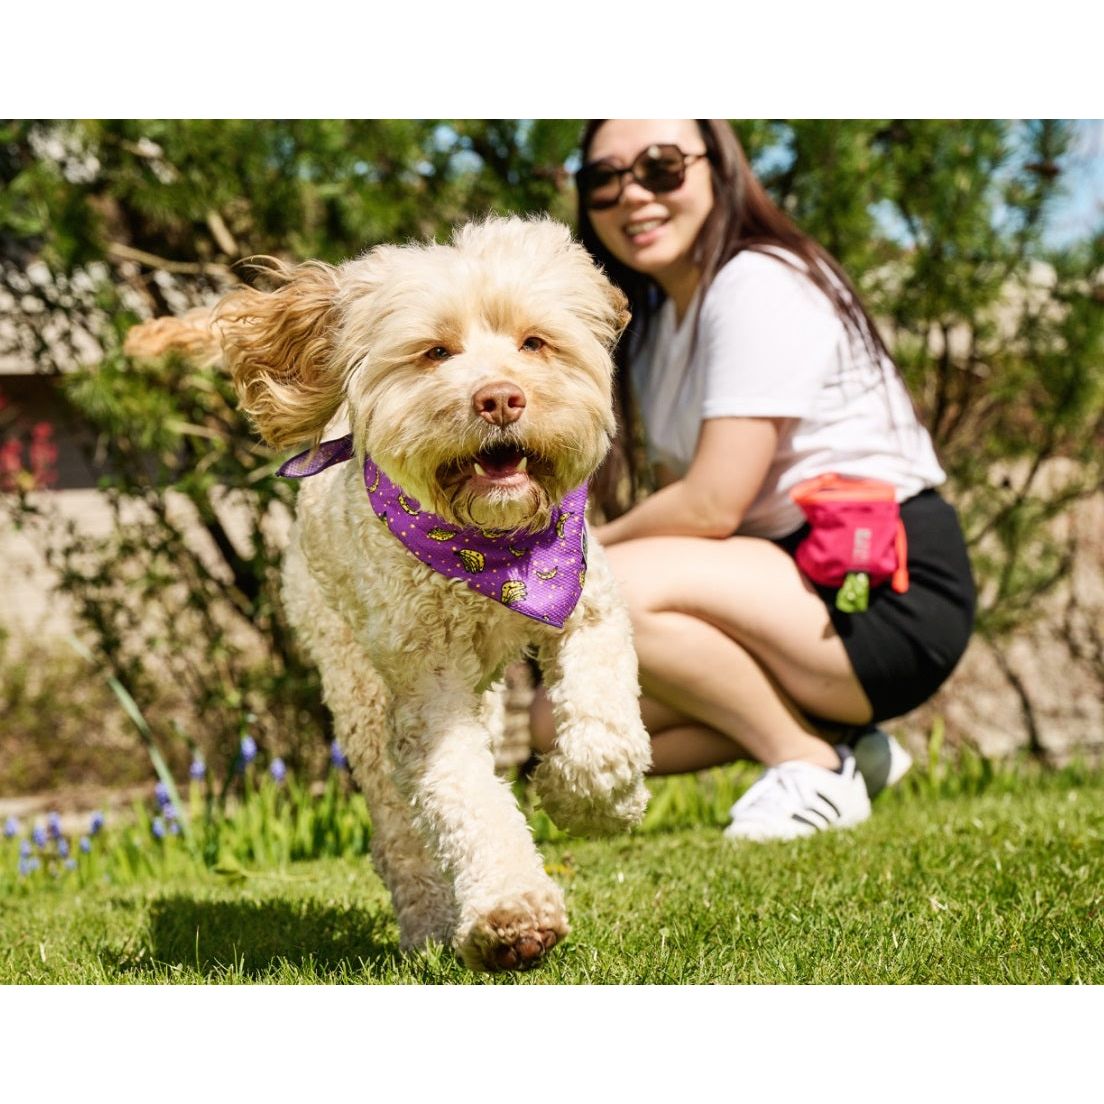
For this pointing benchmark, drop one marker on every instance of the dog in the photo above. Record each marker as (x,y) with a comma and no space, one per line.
(443,537)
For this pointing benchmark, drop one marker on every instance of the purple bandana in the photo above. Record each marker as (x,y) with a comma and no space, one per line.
(539,575)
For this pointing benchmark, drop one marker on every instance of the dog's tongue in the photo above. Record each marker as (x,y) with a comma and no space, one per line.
(500,462)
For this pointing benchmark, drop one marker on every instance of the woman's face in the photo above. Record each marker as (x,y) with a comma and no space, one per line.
(653,233)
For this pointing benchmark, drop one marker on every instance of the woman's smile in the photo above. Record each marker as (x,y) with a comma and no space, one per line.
(642,232)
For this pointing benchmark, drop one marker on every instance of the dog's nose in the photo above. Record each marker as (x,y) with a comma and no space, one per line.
(500,403)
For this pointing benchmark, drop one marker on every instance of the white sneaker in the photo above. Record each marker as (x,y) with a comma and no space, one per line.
(800,799)
(881,759)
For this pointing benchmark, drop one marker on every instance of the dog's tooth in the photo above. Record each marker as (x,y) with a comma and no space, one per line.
(524,464)
(479,468)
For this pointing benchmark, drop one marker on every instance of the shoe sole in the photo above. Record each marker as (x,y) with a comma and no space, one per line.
(768,833)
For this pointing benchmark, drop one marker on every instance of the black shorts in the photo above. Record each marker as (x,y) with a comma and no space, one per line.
(904,646)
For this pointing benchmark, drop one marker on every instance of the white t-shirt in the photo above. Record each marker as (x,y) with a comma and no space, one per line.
(771,345)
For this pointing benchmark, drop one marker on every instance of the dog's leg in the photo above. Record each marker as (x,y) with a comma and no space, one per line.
(356,696)
(593,779)
(420,890)
(509,911)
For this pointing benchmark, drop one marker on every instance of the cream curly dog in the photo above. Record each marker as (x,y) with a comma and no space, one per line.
(475,378)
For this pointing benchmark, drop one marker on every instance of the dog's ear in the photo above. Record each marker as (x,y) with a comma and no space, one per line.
(619,306)
(279,346)
(188,334)
(608,310)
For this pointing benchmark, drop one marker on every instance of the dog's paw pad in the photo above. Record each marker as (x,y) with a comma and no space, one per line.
(527,951)
(514,933)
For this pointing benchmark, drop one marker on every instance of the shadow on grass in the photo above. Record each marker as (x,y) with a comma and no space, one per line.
(254,939)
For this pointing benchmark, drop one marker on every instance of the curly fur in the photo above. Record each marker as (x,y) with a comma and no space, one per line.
(404,652)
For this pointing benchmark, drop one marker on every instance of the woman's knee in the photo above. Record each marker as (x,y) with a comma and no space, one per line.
(740,581)
(642,571)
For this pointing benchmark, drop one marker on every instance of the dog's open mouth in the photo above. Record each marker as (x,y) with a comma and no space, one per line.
(502,466)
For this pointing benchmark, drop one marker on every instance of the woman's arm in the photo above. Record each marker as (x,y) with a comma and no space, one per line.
(729,466)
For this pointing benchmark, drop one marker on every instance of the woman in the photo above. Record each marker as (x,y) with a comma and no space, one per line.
(754,367)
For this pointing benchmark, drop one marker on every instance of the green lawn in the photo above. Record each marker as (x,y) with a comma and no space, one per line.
(1002,882)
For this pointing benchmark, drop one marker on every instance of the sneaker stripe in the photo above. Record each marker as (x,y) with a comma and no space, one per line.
(820,813)
(831,804)
(805,820)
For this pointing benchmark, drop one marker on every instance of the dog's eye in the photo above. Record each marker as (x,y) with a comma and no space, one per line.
(438,352)
(533,344)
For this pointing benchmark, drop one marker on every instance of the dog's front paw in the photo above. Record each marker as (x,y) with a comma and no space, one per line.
(514,933)
(593,798)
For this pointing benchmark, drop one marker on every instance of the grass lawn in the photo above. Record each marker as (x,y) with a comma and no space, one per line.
(1000,882)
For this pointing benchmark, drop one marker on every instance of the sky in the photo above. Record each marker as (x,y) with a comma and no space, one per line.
(1083,207)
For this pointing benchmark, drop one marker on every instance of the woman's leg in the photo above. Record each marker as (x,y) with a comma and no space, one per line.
(679,743)
(735,648)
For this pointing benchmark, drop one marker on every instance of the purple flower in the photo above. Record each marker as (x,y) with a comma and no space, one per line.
(53,825)
(85,844)
(26,865)
(63,847)
(70,864)
(174,827)
(168,810)
(38,834)
(278,770)
(96,823)
(161,792)
(24,849)
(248,749)
(198,770)
(11,827)
(158,828)
(337,756)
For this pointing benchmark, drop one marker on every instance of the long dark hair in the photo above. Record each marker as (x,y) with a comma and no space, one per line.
(743,217)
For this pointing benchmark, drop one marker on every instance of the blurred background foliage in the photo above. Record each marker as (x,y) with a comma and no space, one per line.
(1000,336)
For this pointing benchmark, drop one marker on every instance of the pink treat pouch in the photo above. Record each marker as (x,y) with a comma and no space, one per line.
(856,539)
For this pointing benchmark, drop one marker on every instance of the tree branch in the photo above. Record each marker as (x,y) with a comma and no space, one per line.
(181,268)
(1034,743)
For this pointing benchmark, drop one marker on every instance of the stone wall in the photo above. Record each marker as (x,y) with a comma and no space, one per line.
(1042,689)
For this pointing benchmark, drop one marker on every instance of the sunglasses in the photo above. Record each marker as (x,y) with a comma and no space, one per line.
(659,168)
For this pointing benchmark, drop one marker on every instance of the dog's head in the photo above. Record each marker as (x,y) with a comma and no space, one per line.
(476,374)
